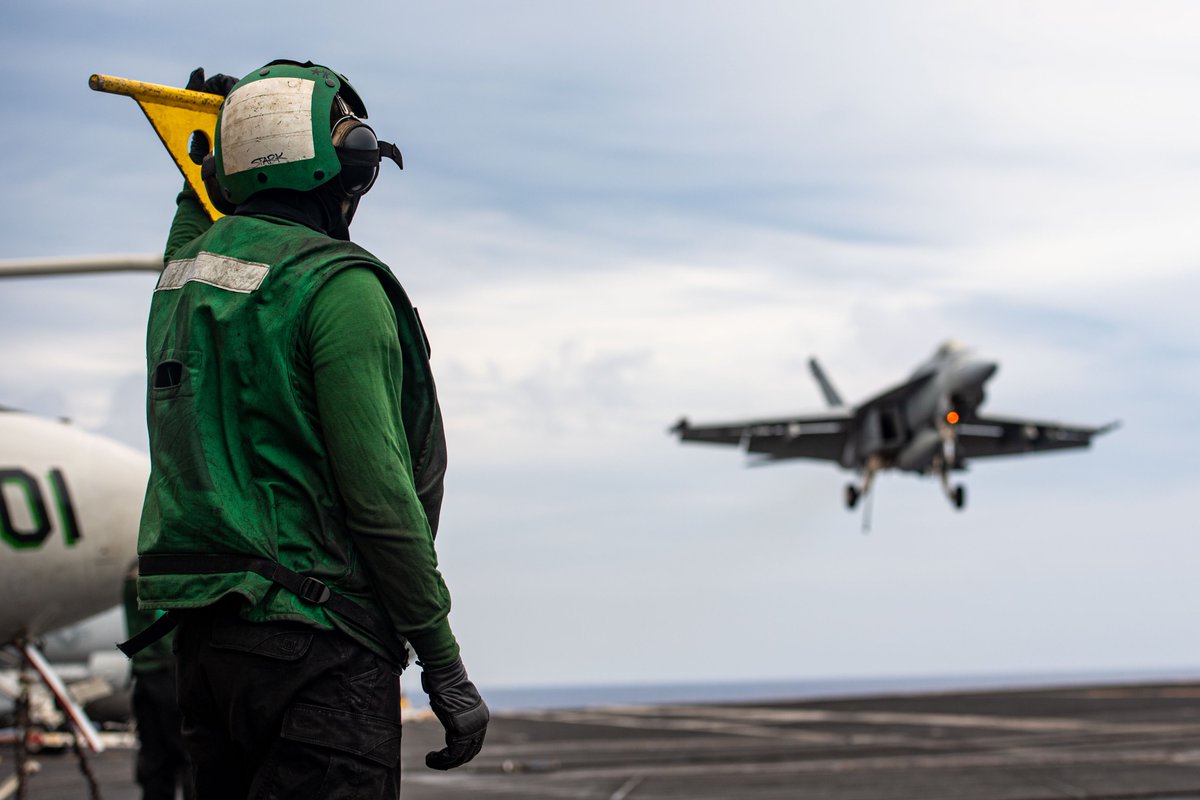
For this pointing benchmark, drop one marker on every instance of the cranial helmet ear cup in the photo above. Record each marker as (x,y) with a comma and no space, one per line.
(358,151)
(208,174)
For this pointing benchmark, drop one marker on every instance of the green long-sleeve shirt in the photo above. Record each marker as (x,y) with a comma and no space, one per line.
(157,655)
(354,352)
(350,342)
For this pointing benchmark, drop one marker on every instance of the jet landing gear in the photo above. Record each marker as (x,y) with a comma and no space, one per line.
(852,495)
(34,663)
(959,497)
(957,494)
(856,493)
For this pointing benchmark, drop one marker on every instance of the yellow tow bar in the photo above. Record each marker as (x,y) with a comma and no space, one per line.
(176,116)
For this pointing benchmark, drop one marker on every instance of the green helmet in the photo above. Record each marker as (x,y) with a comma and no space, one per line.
(292,126)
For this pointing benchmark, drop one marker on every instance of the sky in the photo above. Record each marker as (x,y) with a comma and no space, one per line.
(612,215)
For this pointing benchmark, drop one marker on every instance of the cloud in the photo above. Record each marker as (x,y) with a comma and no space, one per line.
(614,215)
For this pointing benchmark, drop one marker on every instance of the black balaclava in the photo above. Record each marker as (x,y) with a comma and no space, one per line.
(319,209)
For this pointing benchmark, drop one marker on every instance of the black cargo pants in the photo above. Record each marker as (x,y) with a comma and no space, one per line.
(160,761)
(282,710)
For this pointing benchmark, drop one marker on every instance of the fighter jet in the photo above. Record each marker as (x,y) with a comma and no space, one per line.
(930,425)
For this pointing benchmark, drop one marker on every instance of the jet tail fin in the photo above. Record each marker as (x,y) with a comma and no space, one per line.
(831,395)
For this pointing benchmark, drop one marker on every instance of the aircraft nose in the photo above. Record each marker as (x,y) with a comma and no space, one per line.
(976,372)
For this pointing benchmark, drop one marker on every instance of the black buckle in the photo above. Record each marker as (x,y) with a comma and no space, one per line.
(313,591)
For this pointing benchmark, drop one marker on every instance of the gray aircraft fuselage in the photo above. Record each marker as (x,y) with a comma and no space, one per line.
(909,430)
(928,424)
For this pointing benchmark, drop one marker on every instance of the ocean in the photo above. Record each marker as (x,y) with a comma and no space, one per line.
(530,698)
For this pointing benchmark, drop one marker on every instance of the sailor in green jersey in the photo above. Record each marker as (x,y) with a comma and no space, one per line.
(297,459)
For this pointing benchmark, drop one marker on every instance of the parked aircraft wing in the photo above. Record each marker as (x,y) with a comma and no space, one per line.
(981,437)
(821,437)
(24,267)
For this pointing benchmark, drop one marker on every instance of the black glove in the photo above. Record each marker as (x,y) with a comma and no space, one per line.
(218,84)
(457,704)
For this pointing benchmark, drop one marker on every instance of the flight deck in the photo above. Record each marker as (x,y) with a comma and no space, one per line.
(1111,741)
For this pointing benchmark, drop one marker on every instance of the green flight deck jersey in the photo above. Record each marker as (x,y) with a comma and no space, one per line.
(293,417)
(157,655)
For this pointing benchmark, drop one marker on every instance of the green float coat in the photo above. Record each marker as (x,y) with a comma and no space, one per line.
(293,416)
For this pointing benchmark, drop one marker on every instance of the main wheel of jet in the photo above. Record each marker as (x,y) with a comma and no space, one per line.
(959,497)
(851,495)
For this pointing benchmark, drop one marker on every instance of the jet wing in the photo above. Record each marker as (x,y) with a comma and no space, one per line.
(981,437)
(19,268)
(821,437)
(896,394)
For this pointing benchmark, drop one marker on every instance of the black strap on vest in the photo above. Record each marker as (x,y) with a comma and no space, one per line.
(149,635)
(308,589)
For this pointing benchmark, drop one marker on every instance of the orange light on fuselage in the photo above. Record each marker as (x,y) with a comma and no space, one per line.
(952,417)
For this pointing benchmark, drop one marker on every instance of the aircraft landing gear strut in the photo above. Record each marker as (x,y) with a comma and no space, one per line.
(34,663)
(855,493)
(956,494)
(852,495)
